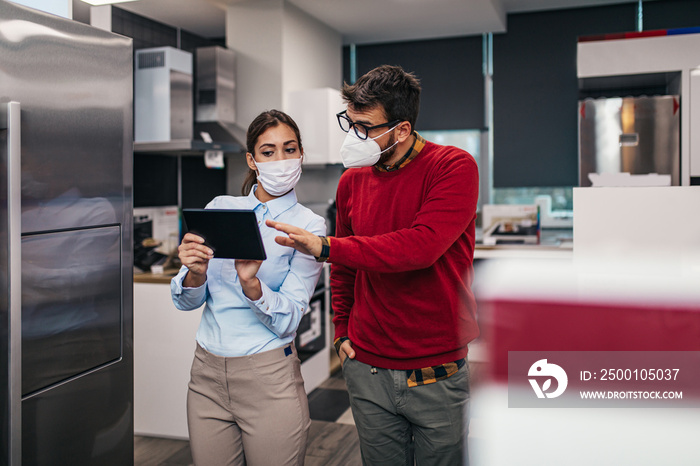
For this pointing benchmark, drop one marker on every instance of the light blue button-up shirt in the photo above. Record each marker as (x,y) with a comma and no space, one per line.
(233,325)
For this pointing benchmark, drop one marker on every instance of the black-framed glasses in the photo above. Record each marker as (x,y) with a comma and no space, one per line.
(361,130)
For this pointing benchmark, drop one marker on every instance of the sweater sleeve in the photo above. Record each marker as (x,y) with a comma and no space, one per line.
(448,208)
(342,277)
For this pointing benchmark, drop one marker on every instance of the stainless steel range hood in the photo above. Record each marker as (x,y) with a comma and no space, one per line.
(214,108)
(215,97)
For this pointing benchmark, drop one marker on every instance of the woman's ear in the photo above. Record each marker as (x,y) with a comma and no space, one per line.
(251,161)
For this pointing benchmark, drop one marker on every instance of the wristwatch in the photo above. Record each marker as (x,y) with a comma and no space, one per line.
(325,250)
(338,342)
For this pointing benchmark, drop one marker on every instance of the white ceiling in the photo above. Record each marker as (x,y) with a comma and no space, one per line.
(365,21)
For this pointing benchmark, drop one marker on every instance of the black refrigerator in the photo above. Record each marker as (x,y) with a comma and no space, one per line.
(66,146)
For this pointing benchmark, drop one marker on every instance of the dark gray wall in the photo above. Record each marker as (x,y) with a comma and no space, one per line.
(536,89)
(155,175)
(534,83)
(535,93)
(669,14)
(450,73)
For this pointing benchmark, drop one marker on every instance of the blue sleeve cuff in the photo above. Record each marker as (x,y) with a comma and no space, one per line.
(263,304)
(183,297)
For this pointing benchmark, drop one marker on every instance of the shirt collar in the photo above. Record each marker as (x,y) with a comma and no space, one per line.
(275,206)
(415,149)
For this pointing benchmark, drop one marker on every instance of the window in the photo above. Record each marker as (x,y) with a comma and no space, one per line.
(466,139)
(562,197)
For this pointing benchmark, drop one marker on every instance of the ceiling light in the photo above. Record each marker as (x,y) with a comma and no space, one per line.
(106,2)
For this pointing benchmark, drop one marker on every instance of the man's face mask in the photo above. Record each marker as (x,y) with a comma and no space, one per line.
(356,152)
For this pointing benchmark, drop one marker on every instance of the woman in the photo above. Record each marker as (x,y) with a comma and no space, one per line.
(246,402)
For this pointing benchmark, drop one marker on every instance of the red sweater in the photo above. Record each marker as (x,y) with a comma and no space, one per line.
(401,269)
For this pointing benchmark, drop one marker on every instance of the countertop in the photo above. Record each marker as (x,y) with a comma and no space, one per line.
(554,243)
(159,278)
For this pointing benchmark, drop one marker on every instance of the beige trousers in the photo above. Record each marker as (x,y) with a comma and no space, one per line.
(249,410)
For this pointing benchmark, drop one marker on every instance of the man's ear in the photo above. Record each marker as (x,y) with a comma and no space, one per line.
(405,131)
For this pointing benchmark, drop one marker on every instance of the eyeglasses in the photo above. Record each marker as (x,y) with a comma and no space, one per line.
(361,130)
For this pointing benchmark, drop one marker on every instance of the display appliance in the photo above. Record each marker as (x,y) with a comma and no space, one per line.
(66,147)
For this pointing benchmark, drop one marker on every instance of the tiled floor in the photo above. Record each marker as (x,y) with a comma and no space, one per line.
(330,401)
(332,438)
(152,451)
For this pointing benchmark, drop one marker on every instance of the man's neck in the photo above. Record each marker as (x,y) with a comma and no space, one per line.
(401,149)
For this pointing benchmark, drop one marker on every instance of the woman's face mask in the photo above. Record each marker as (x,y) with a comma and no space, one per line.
(356,152)
(279,177)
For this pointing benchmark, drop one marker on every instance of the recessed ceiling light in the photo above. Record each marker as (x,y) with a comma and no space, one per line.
(106,2)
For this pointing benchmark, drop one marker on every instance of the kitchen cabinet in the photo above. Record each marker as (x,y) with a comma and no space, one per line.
(314,111)
(164,346)
(638,225)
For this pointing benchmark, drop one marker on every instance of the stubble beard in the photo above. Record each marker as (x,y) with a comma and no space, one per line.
(386,156)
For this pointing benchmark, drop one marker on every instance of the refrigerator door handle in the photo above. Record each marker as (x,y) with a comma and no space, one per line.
(10,120)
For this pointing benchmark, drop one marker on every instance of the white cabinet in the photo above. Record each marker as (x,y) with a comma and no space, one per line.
(638,225)
(314,111)
(164,347)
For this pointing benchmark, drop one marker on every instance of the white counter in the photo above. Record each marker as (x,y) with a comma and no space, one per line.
(524,252)
(164,346)
(638,224)
(555,243)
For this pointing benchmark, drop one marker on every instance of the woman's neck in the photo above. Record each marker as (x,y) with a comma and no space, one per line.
(263,195)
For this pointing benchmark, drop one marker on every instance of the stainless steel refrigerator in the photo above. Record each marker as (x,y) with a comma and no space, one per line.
(637,135)
(66,364)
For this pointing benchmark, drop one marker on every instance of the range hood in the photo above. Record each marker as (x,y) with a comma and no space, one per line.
(214,118)
(215,97)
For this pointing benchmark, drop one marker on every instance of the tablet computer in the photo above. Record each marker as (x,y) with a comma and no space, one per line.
(231,234)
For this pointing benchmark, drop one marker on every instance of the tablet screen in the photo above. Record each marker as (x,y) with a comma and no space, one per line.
(231,234)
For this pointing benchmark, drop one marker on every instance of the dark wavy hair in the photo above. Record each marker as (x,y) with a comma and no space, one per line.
(260,124)
(388,87)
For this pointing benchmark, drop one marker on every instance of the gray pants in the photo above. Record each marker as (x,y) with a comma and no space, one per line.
(247,410)
(398,424)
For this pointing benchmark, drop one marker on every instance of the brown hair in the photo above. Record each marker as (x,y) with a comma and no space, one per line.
(388,87)
(260,124)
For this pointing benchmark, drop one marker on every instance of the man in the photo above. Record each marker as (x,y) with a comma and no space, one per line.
(401,275)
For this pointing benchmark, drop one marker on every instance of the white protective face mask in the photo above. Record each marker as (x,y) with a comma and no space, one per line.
(356,152)
(280,176)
